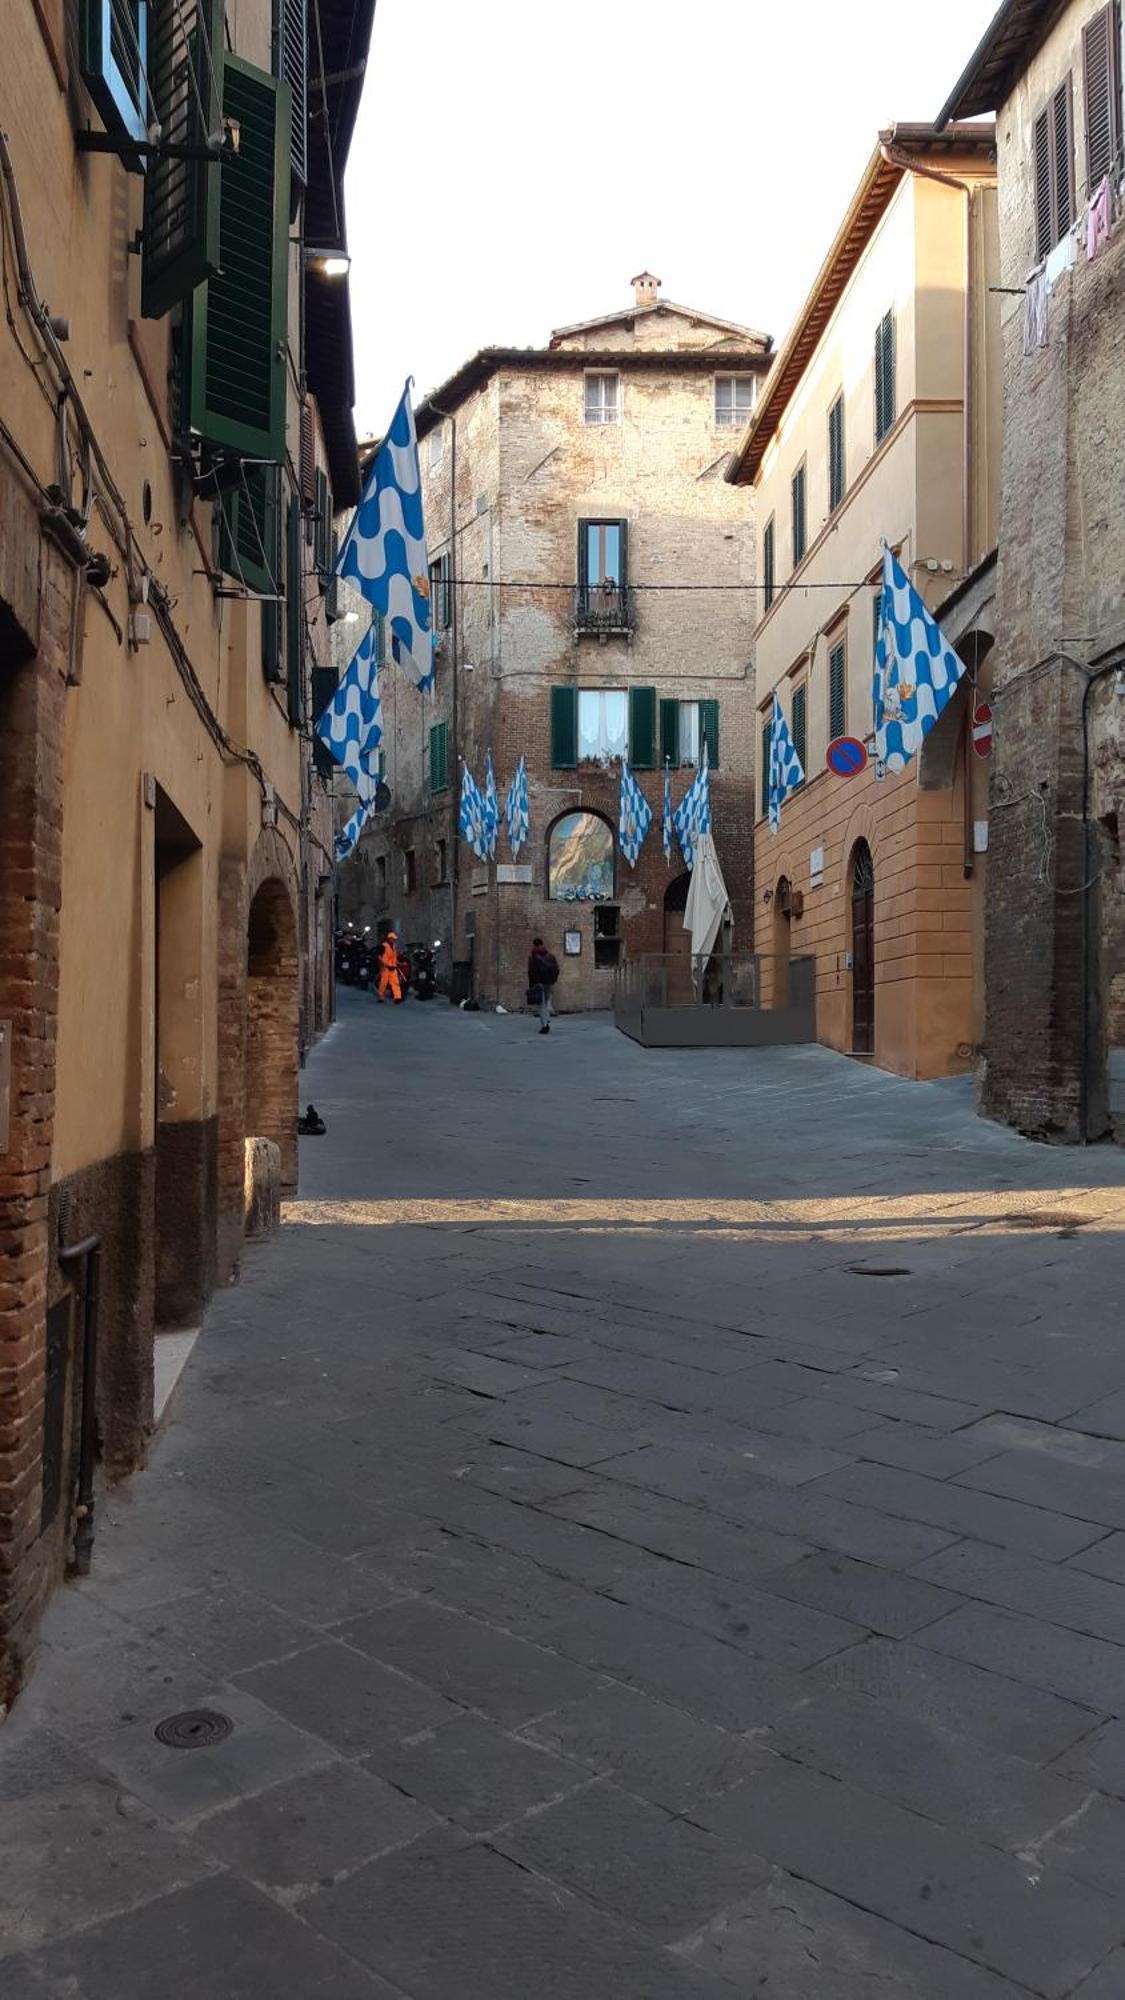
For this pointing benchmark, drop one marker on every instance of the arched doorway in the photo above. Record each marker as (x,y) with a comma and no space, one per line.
(863,950)
(677,941)
(272,1020)
(782,939)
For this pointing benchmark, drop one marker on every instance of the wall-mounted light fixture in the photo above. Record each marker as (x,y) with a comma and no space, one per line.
(330,263)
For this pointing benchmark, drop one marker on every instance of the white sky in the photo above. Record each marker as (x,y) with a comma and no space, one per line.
(514,163)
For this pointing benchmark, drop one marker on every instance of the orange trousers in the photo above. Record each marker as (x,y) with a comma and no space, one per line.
(389,982)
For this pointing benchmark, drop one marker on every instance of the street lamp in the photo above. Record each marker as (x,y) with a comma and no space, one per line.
(330,263)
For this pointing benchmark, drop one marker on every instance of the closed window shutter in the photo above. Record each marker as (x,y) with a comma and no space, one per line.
(764,800)
(294,616)
(669,732)
(292,44)
(838,690)
(323,533)
(709,731)
(768,565)
(273,650)
(564,728)
(239,326)
(1101,45)
(1044,240)
(642,727)
(325,681)
(800,723)
(439,757)
(884,376)
(113,57)
(799,529)
(181,226)
(836,454)
(624,527)
(1064,161)
(307,466)
(248,530)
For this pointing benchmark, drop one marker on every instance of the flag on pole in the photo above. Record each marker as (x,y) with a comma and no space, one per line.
(916,670)
(786,770)
(491,811)
(351,727)
(471,817)
(384,550)
(668,812)
(693,814)
(516,810)
(366,784)
(635,816)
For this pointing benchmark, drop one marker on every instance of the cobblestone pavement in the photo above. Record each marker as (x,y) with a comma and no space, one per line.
(656,1523)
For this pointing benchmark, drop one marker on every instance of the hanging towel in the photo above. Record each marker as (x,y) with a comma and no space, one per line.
(1097,220)
(1035,312)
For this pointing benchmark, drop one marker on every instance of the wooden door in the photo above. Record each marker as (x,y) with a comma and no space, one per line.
(677,943)
(863,952)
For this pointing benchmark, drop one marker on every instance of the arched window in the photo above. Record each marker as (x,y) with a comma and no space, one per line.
(580,859)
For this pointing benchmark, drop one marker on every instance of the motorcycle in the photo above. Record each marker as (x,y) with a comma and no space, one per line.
(367,958)
(347,954)
(423,972)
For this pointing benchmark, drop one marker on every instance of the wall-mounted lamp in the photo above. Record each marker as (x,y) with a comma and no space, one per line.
(767,895)
(330,263)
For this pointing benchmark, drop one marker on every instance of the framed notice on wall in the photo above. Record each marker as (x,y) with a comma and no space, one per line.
(572,944)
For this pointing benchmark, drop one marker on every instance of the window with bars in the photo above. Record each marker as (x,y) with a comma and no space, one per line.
(1053,150)
(441,593)
(838,688)
(1101,64)
(601,399)
(884,376)
(799,729)
(800,516)
(837,477)
(734,400)
(768,564)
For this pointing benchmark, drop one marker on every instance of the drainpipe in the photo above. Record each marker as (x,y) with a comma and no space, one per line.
(86,1253)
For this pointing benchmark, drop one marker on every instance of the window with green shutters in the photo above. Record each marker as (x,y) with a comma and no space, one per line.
(799,729)
(322,528)
(709,731)
(439,756)
(564,728)
(332,581)
(670,732)
(838,688)
(182,197)
(837,478)
(294,615)
(113,57)
(239,332)
(764,794)
(642,728)
(325,681)
(800,517)
(768,569)
(884,376)
(249,530)
(291,44)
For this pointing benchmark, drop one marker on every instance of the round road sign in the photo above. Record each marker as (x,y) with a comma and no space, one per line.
(982,729)
(846,756)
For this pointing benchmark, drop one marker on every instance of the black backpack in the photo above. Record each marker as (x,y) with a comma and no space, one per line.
(550,969)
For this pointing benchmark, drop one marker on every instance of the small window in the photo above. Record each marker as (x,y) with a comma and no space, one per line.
(409,871)
(603,725)
(735,396)
(768,564)
(603,594)
(838,688)
(602,400)
(799,730)
(800,517)
(837,475)
(441,593)
(884,376)
(1101,60)
(435,449)
(580,859)
(1053,146)
(440,863)
(439,756)
(698,724)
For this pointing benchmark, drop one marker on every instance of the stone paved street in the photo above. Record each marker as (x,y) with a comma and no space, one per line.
(656,1523)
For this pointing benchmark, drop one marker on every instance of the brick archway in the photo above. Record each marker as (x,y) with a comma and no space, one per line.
(273,967)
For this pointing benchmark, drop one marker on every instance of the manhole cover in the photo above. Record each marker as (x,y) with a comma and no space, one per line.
(194,1729)
(880,1270)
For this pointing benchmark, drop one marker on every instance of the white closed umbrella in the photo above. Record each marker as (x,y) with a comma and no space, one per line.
(708,904)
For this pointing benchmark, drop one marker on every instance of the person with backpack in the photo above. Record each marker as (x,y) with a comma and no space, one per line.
(542,972)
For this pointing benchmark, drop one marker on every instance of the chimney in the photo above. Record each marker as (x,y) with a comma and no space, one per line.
(646,289)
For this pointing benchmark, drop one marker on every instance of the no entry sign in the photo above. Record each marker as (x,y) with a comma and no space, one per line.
(982,729)
(845,756)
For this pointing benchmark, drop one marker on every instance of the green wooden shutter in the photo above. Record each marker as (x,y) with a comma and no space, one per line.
(248,530)
(768,564)
(291,33)
(564,728)
(624,528)
(642,728)
(764,799)
(181,226)
(294,615)
(332,581)
(838,690)
(670,732)
(325,681)
(709,731)
(800,730)
(113,58)
(884,376)
(583,552)
(439,756)
(322,542)
(239,327)
(836,472)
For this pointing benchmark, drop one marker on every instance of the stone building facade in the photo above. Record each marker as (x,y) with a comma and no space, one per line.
(880,423)
(175,391)
(1055,948)
(592,579)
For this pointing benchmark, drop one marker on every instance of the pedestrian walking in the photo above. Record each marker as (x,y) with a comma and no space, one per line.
(542,972)
(389,979)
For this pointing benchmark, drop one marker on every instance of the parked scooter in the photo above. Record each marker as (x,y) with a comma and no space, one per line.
(423,972)
(367,968)
(347,956)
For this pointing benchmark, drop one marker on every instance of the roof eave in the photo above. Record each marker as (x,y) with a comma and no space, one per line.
(1011,39)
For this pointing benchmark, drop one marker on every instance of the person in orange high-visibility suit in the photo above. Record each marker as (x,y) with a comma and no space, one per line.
(389,981)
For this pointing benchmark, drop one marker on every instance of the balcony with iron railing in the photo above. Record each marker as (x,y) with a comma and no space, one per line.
(603,608)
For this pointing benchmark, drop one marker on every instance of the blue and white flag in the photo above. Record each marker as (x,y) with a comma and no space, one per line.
(351,727)
(693,814)
(516,813)
(471,818)
(786,771)
(366,784)
(916,670)
(384,550)
(491,810)
(635,818)
(667,812)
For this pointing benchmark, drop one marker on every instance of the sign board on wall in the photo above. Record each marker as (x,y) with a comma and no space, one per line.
(572,944)
(513,871)
(816,867)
